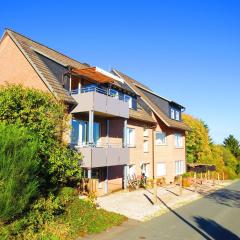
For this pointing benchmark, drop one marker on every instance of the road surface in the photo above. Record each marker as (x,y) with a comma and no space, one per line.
(216,216)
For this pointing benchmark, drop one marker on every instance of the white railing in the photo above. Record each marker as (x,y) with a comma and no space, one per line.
(105,91)
(98,145)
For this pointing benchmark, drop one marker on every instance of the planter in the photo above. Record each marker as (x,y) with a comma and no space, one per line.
(186,182)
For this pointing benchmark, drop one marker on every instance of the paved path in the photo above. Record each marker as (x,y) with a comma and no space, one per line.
(216,216)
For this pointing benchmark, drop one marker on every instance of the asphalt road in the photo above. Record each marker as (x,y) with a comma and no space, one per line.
(216,216)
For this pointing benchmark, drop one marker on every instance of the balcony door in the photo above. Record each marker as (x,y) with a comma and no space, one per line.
(79,134)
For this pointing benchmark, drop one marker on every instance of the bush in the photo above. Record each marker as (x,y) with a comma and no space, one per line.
(64,165)
(62,217)
(19,165)
(46,117)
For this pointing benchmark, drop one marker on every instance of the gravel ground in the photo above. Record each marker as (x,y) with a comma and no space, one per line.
(139,205)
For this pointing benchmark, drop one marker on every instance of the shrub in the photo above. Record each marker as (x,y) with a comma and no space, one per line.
(64,165)
(46,117)
(19,165)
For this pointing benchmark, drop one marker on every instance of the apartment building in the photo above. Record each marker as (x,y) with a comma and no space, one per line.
(122,128)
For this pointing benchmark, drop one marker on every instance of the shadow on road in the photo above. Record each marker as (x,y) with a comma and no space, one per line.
(227,197)
(208,228)
(215,230)
(205,236)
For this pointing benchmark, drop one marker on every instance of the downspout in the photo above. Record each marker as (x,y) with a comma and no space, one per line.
(153,153)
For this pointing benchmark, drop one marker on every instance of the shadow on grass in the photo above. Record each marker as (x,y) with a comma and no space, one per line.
(215,230)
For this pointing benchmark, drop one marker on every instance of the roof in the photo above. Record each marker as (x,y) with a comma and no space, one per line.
(31,50)
(38,54)
(155,108)
(141,115)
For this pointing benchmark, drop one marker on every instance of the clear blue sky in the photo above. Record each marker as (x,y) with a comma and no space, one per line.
(188,51)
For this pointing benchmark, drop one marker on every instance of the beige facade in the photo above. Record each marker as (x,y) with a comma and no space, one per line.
(15,68)
(138,157)
(168,153)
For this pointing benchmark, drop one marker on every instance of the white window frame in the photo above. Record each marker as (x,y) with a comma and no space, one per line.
(162,140)
(180,167)
(131,171)
(145,132)
(172,113)
(163,169)
(128,99)
(83,133)
(145,167)
(130,138)
(145,146)
(178,140)
(177,115)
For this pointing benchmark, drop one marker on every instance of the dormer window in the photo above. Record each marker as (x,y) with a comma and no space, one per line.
(175,114)
(172,113)
(128,99)
(132,102)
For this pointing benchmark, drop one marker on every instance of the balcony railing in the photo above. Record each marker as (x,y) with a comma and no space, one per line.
(97,145)
(103,155)
(105,91)
(101,100)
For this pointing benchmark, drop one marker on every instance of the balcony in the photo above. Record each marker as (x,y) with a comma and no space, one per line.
(104,155)
(100,100)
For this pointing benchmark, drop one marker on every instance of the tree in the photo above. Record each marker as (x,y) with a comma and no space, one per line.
(233,145)
(19,168)
(43,115)
(197,140)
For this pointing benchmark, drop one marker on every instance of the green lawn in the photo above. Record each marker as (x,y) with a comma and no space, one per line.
(80,217)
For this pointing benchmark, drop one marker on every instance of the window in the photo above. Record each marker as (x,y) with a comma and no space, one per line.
(161,169)
(96,133)
(79,135)
(134,103)
(178,140)
(172,113)
(114,93)
(145,146)
(145,169)
(145,132)
(75,132)
(161,138)
(179,167)
(131,171)
(130,137)
(175,114)
(128,99)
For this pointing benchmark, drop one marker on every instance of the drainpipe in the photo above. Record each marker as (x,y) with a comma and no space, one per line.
(107,133)
(153,153)
(125,145)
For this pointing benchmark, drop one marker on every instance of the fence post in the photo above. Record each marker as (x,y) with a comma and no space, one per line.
(180,185)
(155,190)
(213,174)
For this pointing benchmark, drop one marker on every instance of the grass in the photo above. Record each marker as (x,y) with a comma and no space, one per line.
(80,217)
